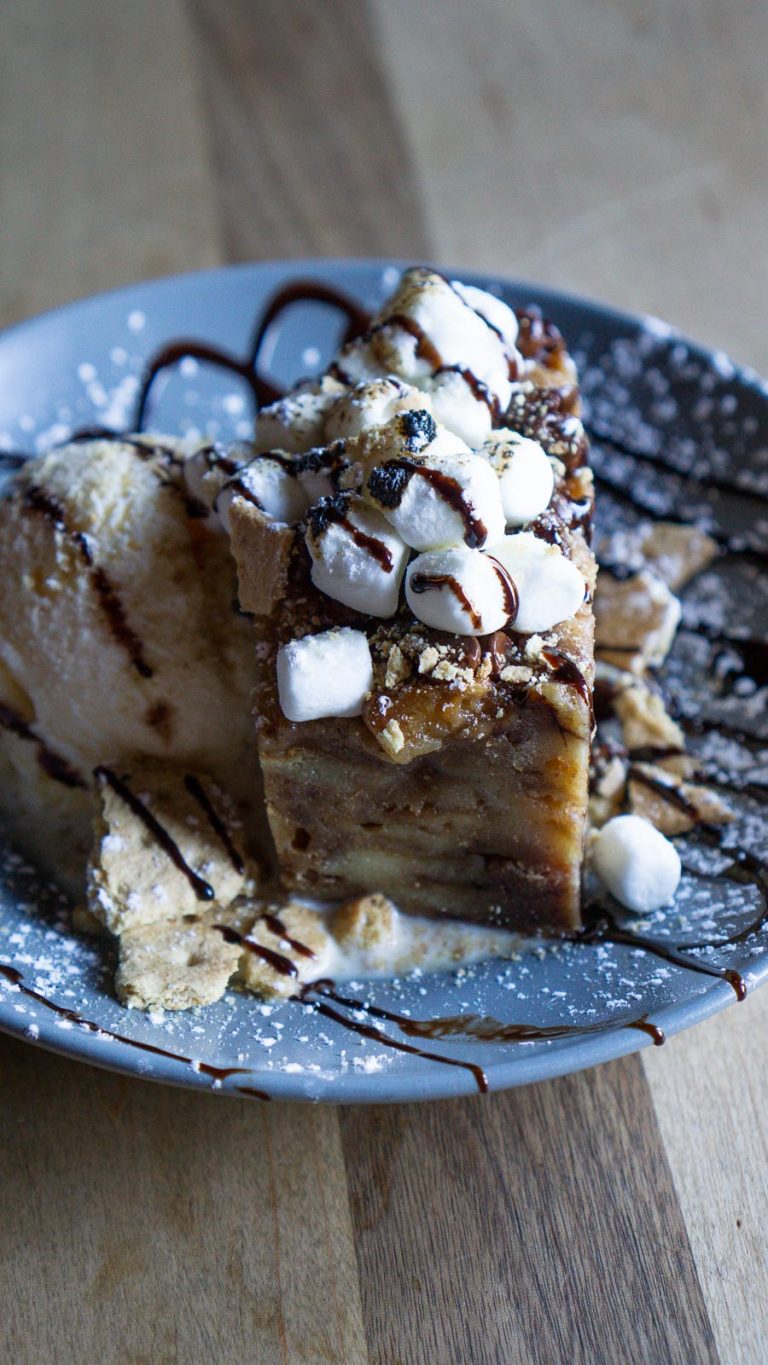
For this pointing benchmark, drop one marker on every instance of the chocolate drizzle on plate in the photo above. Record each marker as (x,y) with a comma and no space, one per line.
(262,389)
(217,1073)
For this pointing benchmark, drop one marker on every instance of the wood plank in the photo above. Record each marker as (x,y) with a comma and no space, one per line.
(147,1223)
(615,150)
(709,1093)
(103,170)
(539,1226)
(306,142)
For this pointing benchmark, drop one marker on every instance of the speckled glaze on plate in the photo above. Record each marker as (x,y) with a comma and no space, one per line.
(644,385)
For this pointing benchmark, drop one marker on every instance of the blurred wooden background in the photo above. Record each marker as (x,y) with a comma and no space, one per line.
(614,149)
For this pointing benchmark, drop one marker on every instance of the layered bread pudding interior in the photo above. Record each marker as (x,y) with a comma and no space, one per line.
(262,703)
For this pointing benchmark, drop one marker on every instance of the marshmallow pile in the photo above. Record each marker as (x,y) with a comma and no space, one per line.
(392,455)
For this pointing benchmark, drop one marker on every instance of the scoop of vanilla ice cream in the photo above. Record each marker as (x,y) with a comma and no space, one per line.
(117,638)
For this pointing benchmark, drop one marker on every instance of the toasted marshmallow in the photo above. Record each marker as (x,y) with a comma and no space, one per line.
(357,363)
(465,409)
(637,864)
(525,474)
(206,471)
(427,325)
(550,588)
(459,590)
(324,675)
(371,405)
(296,423)
(320,470)
(438,500)
(492,308)
(357,558)
(271,484)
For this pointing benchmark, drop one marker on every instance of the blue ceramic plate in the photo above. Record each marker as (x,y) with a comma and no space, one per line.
(654,394)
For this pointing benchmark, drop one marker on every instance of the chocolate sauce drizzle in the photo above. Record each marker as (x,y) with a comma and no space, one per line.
(38,500)
(262,389)
(54,765)
(277,961)
(388,482)
(196,791)
(334,510)
(217,1073)
(202,889)
(431,582)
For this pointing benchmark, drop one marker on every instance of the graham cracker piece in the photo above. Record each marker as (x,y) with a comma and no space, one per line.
(665,813)
(176,965)
(304,927)
(636,619)
(366,922)
(146,811)
(262,549)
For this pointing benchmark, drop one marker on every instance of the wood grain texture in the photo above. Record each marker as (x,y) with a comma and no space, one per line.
(617,150)
(103,172)
(306,142)
(708,1088)
(540,1226)
(146,1223)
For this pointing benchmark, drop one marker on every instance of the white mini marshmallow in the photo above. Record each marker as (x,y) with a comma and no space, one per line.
(490,306)
(324,675)
(637,864)
(550,588)
(458,407)
(455,333)
(413,496)
(525,474)
(320,469)
(271,486)
(371,405)
(296,423)
(458,590)
(357,558)
(206,471)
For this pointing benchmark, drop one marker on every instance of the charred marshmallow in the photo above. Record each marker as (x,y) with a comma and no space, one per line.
(271,483)
(549,587)
(465,408)
(324,675)
(525,474)
(205,472)
(637,864)
(428,326)
(371,405)
(357,558)
(459,590)
(433,495)
(319,470)
(296,423)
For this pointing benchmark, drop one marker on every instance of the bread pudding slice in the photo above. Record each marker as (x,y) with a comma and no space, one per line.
(424,723)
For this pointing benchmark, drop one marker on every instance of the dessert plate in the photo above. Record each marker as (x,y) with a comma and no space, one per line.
(677,433)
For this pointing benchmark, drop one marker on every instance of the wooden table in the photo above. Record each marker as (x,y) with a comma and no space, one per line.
(615,149)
